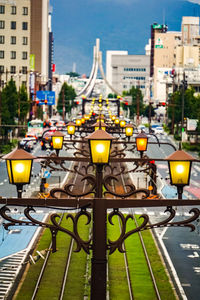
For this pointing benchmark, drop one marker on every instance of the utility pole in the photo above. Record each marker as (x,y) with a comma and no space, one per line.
(138,104)
(184,85)
(63,103)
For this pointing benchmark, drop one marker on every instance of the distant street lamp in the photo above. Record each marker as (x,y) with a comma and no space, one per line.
(71,127)
(141,143)
(57,141)
(129,130)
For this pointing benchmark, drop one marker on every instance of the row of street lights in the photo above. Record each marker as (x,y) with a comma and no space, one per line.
(19,165)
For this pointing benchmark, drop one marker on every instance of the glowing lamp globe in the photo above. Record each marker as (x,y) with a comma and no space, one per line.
(71,128)
(57,140)
(19,165)
(78,122)
(100,144)
(141,143)
(179,164)
(122,123)
(129,130)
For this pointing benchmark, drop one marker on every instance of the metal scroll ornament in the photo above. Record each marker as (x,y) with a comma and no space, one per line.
(118,244)
(54,226)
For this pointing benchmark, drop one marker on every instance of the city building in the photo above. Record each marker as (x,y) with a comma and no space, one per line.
(15,26)
(124,71)
(163,57)
(24,41)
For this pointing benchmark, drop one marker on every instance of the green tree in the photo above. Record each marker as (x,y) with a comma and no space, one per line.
(137,101)
(66,96)
(73,74)
(9,98)
(146,111)
(24,103)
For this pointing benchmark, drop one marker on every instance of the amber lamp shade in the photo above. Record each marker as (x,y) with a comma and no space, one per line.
(122,123)
(129,130)
(100,144)
(141,142)
(180,164)
(71,127)
(78,122)
(57,140)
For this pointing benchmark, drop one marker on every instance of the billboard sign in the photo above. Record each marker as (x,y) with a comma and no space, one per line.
(32,62)
(45,97)
(191,124)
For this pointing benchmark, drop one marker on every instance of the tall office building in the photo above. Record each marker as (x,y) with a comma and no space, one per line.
(14,40)
(124,71)
(24,38)
(40,38)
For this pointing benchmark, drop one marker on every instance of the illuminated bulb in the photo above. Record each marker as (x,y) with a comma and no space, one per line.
(19,168)
(128,130)
(179,169)
(57,141)
(100,148)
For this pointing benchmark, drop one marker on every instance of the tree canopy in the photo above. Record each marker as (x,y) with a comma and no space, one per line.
(66,96)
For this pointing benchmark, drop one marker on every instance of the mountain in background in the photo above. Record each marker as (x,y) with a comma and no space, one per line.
(120,25)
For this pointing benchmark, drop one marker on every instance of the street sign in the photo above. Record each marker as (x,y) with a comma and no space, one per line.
(46,174)
(45,97)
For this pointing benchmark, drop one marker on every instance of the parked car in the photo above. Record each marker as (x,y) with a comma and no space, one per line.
(158,130)
(27,144)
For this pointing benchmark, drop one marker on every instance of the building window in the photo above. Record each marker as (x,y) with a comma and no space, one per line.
(13,10)
(24,55)
(2,39)
(1,69)
(24,25)
(13,25)
(13,40)
(13,54)
(25,11)
(1,54)
(12,69)
(24,70)
(25,40)
(2,9)
(2,24)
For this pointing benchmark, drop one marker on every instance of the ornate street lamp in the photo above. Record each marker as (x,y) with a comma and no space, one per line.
(122,123)
(71,127)
(129,130)
(100,145)
(78,122)
(99,125)
(179,164)
(57,141)
(19,165)
(116,121)
(141,143)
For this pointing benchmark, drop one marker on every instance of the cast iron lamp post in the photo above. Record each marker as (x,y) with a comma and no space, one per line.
(57,141)
(179,164)
(19,165)
(99,145)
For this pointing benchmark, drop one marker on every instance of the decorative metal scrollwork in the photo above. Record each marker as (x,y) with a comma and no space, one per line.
(131,189)
(54,227)
(118,244)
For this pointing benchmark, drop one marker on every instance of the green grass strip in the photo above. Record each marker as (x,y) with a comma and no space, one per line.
(163,282)
(52,279)
(139,273)
(29,283)
(74,288)
(118,286)
(50,285)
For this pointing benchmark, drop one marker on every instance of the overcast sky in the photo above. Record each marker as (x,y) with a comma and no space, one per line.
(120,25)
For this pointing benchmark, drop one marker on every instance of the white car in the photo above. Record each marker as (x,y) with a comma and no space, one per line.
(158,130)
